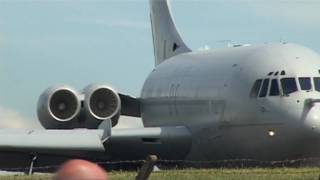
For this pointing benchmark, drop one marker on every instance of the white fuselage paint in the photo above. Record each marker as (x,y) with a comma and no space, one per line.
(208,92)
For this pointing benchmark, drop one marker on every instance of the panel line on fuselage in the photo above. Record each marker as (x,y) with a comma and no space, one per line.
(250,124)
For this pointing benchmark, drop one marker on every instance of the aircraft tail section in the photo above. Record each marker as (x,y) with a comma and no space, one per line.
(166,38)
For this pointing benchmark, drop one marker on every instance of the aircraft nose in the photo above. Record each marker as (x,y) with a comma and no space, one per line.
(312,119)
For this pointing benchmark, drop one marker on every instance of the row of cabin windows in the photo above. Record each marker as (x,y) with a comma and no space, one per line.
(289,85)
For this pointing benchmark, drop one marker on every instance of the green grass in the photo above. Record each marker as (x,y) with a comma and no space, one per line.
(207,174)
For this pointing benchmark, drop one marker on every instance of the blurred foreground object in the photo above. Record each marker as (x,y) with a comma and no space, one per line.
(147,167)
(80,170)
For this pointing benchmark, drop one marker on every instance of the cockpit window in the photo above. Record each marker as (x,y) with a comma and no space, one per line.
(274,89)
(289,85)
(305,83)
(255,88)
(316,81)
(264,88)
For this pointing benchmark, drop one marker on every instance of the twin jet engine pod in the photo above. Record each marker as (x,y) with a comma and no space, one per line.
(58,107)
(101,102)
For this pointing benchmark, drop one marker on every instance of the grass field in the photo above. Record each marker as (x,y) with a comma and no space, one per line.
(205,174)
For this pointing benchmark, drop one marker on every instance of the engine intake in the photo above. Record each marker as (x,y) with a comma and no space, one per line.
(101,102)
(63,105)
(58,107)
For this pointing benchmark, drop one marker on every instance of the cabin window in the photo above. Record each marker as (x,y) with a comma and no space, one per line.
(255,88)
(274,89)
(264,88)
(305,83)
(289,85)
(316,81)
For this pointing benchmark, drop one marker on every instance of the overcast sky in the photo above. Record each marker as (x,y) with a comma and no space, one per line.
(44,43)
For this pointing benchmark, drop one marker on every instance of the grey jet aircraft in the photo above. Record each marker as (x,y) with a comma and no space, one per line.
(258,102)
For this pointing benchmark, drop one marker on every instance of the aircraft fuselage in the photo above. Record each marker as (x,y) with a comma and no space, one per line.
(210,93)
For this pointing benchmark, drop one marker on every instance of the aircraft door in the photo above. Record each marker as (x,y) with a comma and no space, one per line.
(217,108)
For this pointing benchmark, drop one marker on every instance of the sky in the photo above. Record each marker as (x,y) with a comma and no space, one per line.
(52,42)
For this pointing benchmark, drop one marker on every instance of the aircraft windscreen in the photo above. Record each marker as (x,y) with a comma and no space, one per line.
(305,83)
(289,85)
(274,89)
(255,88)
(316,81)
(264,88)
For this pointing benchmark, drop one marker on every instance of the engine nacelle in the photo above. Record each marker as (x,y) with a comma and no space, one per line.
(59,107)
(101,102)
